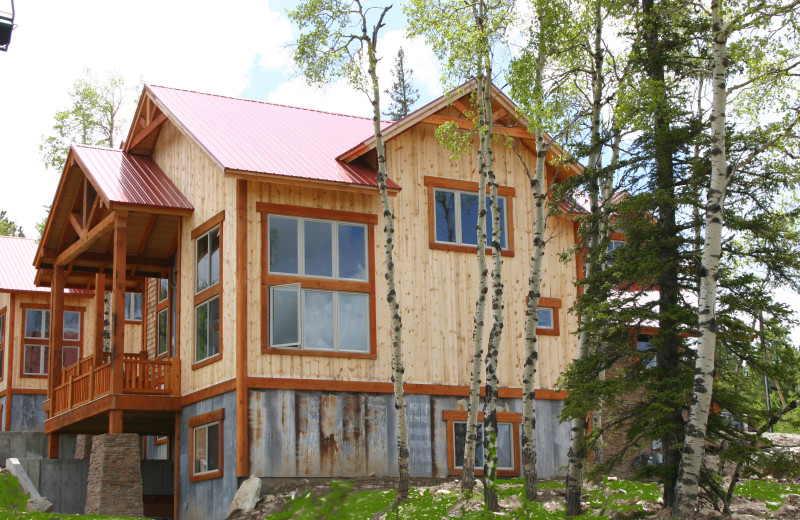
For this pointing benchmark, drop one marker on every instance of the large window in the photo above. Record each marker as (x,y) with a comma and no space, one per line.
(208,294)
(453,215)
(2,343)
(37,336)
(319,290)
(508,451)
(207,445)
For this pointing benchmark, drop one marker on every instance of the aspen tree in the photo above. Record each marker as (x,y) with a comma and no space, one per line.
(337,38)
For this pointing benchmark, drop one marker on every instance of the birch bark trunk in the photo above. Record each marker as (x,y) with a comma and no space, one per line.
(577,449)
(694,444)
(468,473)
(391,297)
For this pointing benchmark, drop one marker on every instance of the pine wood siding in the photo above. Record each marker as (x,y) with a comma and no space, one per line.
(436,287)
(210,191)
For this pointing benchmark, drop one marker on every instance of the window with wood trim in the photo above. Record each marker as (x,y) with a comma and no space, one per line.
(508,447)
(319,290)
(2,343)
(453,215)
(162,317)
(549,322)
(206,445)
(133,307)
(208,291)
(36,339)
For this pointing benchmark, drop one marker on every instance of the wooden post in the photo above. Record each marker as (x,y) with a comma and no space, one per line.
(118,303)
(56,330)
(115,421)
(99,318)
(52,446)
(242,448)
(175,376)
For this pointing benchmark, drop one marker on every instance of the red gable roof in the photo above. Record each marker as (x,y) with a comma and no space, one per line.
(16,266)
(257,137)
(127,179)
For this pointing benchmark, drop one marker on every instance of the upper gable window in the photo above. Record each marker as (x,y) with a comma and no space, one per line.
(453,216)
(207,260)
(456,219)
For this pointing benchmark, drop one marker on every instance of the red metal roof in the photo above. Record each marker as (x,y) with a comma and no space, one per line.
(129,179)
(258,137)
(17,272)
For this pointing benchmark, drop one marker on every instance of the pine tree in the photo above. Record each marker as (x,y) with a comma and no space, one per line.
(403,93)
(8,227)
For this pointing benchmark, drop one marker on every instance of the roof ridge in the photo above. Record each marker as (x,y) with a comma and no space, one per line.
(97,147)
(18,238)
(260,102)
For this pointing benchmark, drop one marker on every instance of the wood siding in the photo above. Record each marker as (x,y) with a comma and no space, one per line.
(204,184)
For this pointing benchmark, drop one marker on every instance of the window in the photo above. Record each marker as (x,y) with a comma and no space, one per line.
(545,320)
(508,451)
(647,355)
(2,342)
(319,293)
(208,293)
(162,317)
(206,448)
(505,456)
(453,215)
(548,324)
(133,306)
(36,353)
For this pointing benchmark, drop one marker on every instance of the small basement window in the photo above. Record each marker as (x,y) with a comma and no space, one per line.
(206,448)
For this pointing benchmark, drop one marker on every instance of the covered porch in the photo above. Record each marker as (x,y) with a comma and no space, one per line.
(114,223)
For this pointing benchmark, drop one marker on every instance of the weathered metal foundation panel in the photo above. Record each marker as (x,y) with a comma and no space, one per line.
(27,413)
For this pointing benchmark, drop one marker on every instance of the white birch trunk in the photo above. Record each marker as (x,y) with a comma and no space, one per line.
(577,448)
(468,473)
(694,444)
(391,297)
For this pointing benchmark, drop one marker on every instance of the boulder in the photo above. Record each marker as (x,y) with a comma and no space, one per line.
(246,497)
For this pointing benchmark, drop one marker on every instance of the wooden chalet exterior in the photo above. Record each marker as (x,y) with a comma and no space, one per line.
(260,228)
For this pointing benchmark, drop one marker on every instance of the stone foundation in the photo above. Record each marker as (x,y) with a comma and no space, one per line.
(115,479)
(83,446)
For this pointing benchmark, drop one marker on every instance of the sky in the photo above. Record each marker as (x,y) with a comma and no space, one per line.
(236,48)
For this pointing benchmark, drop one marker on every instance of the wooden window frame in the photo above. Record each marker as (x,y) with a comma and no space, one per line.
(434,183)
(513,418)
(555,305)
(215,416)
(45,342)
(3,320)
(209,292)
(130,320)
(323,284)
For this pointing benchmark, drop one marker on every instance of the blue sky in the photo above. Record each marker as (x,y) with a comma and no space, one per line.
(236,48)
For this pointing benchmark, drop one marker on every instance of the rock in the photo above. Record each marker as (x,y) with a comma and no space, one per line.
(612,479)
(786,511)
(443,491)
(246,497)
(740,516)
(514,502)
(793,499)
(707,512)
(40,504)
(478,484)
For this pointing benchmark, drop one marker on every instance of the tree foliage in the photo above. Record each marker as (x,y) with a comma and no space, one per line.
(93,117)
(8,227)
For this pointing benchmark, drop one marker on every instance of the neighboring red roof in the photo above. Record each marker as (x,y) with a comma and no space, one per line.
(258,137)
(129,179)
(16,266)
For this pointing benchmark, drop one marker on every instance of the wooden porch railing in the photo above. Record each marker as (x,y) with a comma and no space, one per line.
(83,382)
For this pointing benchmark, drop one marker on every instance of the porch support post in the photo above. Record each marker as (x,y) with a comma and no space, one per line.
(242,448)
(56,330)
(118,302)
(99,317)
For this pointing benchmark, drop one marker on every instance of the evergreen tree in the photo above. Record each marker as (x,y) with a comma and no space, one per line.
(403,93)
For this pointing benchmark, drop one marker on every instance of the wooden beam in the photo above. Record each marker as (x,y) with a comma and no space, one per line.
(242,448)
(466,124)
(115,421)
(76,225)
(105,258)
(499,114)
(52,446)
(10,356)
(87,240)
(461,107)
(147,232)
(118,303)
(152,127)
(95,211)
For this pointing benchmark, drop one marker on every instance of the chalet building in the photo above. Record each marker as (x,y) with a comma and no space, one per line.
(256,232)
